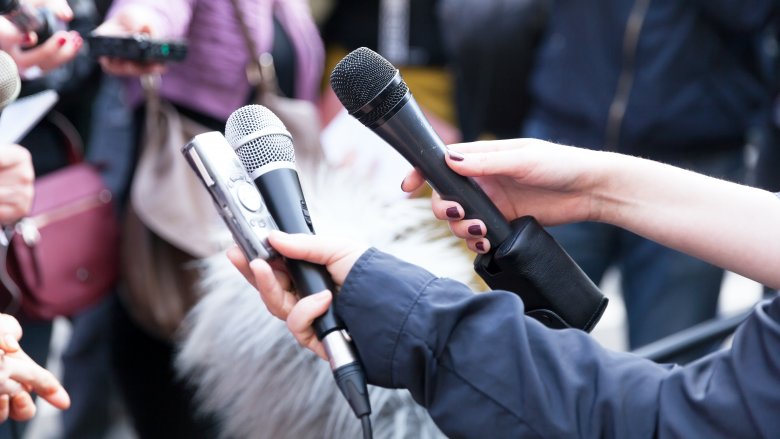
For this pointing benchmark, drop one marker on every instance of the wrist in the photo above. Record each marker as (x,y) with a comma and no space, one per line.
(608,195)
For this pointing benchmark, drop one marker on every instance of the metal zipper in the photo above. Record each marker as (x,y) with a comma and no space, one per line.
(617,109)
(29,227)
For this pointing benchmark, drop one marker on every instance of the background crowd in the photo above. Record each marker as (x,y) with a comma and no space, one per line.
(692,84)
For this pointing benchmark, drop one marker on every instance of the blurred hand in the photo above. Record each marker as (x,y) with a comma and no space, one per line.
(59,49)
(20,375)
(60,8)
(16,183)
(131,19)
(275,287)
(554,183)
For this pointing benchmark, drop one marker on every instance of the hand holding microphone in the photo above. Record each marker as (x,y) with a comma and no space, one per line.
(264,147)
(556,184)
(522,257)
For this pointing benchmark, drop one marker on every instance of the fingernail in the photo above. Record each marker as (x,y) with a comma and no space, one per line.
(61,41)
(475,230)
(456,156)
(11,342)
(480,246)
(452,212)
(402,184)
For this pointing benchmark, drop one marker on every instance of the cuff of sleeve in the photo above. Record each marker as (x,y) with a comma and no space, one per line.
(374,303)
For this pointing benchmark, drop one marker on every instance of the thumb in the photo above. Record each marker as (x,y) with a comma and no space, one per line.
(337,254)
(476,163)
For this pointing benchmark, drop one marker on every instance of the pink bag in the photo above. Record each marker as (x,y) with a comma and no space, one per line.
(64,256)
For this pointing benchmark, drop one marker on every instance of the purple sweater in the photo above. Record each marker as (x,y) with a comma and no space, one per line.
(212,79)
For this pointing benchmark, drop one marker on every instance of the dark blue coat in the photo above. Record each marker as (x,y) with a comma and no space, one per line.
(484,370)
(693,79)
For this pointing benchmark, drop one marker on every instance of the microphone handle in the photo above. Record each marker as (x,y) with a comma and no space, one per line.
(409,133)
(282,193)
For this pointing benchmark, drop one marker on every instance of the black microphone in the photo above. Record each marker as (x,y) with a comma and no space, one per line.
(264,146)
(29,19)
(372,90)
(523,257)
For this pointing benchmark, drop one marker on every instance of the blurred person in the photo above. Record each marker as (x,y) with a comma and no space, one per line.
(206,88)
(409,35)
(481,367)
(677,82)
(49,64)
(21,375)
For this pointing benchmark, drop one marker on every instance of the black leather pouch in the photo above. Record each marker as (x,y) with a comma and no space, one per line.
(553,287)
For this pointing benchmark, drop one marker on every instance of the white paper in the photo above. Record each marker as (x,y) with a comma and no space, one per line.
(19,117)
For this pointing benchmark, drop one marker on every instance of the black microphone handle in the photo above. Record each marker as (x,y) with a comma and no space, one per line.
(283,196)
(409,133)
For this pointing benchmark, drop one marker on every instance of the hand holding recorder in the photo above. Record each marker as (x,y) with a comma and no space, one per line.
(131,43)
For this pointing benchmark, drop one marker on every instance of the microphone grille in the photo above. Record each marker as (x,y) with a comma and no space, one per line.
(262,150)
(10,84)
(359,77)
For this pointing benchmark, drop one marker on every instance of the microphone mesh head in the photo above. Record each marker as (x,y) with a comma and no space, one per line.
(264,149)
(359,77)
(10,84)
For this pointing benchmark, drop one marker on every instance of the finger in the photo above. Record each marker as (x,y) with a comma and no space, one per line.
(478,245)
(237,258)
(5,408)
(487,145)
(62,10)
(277,299)
(14,155)
(337,254)
(55,51)
(9,386)
(59,398)
(22,407)
(121,67)
(500,157)
(10,333)
(23,369)
(468,229)
(446,210)
(302,317)
(413,181)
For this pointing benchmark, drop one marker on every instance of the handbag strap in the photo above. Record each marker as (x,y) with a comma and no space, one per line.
(260,70)
(71,139)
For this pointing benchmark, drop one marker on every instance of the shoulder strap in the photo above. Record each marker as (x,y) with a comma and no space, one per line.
(260,69)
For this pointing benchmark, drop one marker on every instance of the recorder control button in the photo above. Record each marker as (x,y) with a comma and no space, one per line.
(249,197)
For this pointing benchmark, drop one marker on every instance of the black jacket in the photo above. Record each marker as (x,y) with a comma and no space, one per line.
(685,77)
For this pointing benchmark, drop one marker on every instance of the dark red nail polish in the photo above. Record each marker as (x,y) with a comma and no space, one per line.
(475,230)
(480,246)
(456,156)
(452,212)
(61,41)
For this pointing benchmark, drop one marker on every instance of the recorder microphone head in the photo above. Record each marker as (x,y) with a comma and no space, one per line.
(369,87)
(10,84)
(259,138)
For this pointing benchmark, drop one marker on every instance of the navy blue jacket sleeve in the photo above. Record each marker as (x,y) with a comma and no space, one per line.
(483,369)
